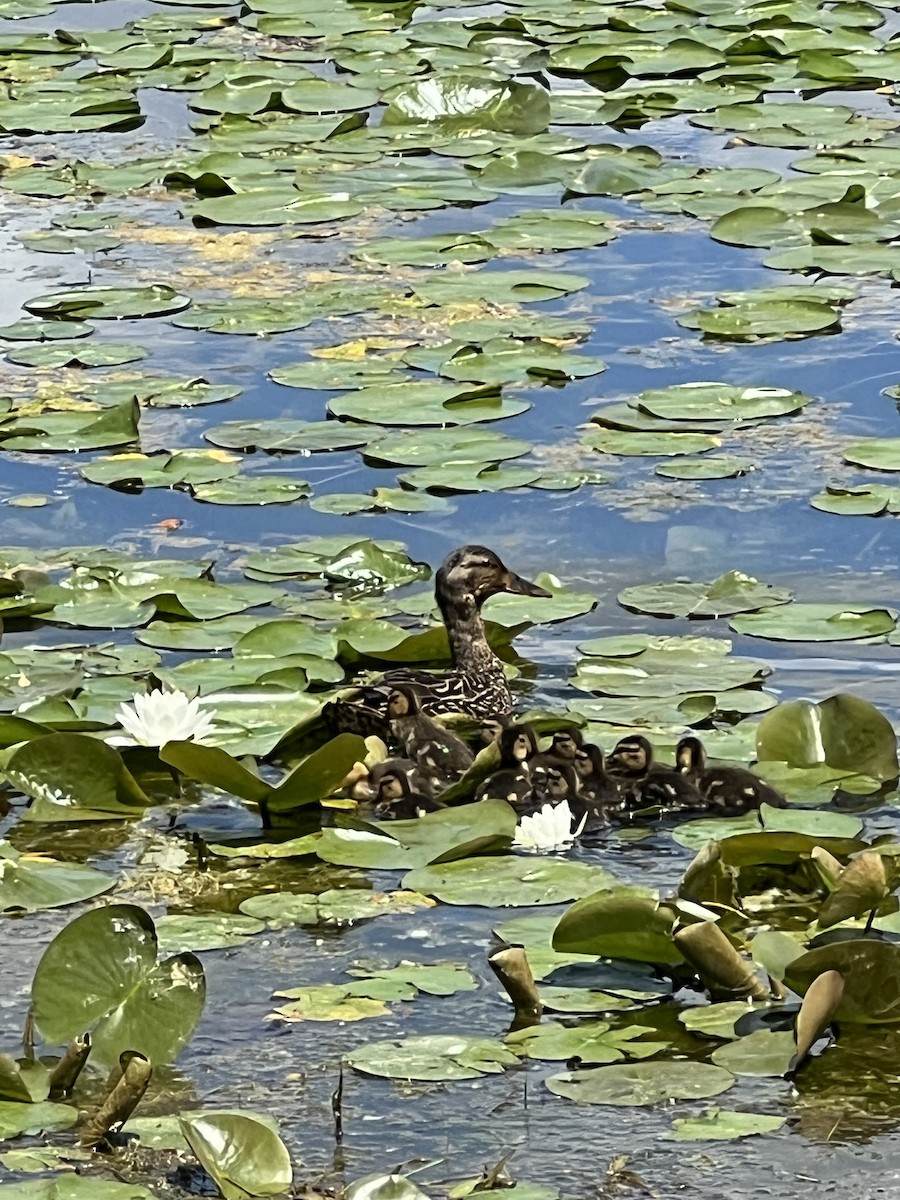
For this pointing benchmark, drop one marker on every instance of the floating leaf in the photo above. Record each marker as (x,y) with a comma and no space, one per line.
(731,593)
(30,882)
(817,623)
(637,1084)
(435,1057)
(723,1125)
(496,882)
(109,303)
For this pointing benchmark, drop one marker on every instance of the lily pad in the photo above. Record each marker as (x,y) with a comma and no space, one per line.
(723,1125)
(638,1084)
(733,592)
(817,623)
(243,1156)
(30,882)
(434,1057)
(101,973)
(76,354)
(109,303)
(498,882)
(844,732)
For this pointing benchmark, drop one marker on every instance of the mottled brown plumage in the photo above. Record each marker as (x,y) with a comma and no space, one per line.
(475,685)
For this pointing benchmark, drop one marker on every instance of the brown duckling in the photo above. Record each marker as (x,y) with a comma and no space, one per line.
(729,791)
(396,801)
(512,779)
(598,794)
(646,783)
(490,731)
(552,784)
(436,751)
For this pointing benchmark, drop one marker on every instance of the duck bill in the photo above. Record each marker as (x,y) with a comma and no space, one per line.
(524,587)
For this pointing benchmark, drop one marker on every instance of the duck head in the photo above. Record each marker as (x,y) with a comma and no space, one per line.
(473,573)
(632,756)
(690,755)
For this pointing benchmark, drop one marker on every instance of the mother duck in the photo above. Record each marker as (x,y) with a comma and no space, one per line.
(475,685)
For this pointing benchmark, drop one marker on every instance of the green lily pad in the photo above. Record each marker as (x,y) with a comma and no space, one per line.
(76,354)
(180,932)
(32,1119)
(723,1125)
(30,882)
(109,303)
(244,1156)
(763,1052)
(870,500)
(425,404)
(508,881)
(706,468)
(443,835)
(444,447)
(620,922)
(764,319)
(817,623)
(101,973)
(721,401)
(434,1057)
(461,105)
(72,777)
(844,731)
(592,1042)
(731,593)
(653,445)
(639,1084)
(878,454)
(252,489)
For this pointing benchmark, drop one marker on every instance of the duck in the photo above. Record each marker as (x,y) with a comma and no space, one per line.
(729,791)
(646,783)
(439,754)
(395,799)
(475,685)
(512,779)
(564,747)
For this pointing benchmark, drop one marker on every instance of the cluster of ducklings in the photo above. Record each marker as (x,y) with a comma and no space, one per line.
(625,784)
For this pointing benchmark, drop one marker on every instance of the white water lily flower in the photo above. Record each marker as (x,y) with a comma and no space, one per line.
(549,829)
(154,718)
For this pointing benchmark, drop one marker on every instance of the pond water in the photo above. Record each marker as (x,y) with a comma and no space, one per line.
(639,527)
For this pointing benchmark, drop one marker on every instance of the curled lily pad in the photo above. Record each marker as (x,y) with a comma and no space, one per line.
(434,1057)
(870,500)
(109,303)
(620,922)
(817,623)
(733,592)
(244,1156)
(460,104)
(101,973)
(843,731)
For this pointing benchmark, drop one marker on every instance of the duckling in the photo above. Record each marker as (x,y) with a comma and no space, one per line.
(730,791)
(646,783)
(433,748)
(598,794)
(564,747)
(490,730)
(512,779)
(553,784)
(396,801)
